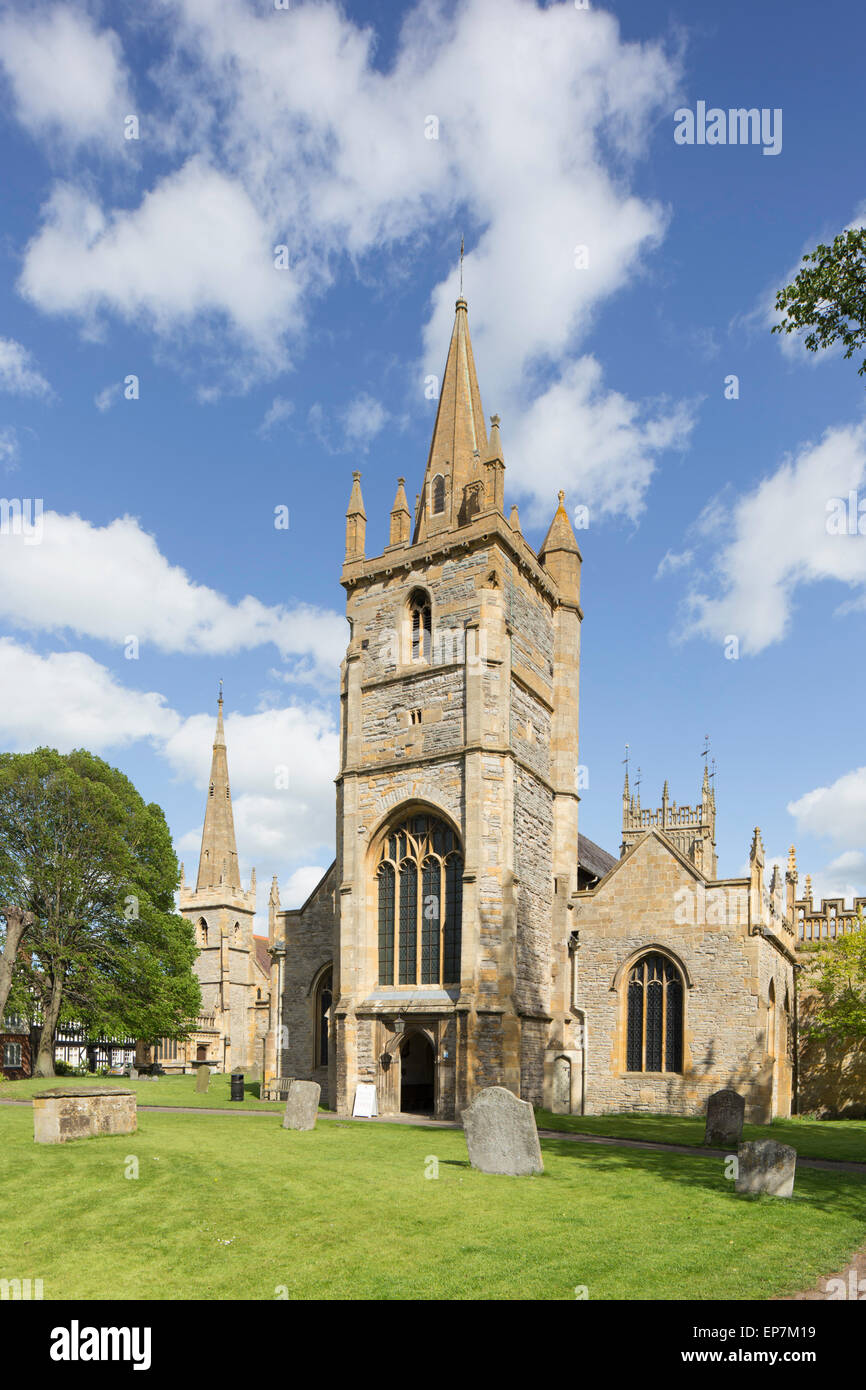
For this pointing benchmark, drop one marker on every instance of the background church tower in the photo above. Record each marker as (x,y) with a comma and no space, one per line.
(223,913)
(459,747)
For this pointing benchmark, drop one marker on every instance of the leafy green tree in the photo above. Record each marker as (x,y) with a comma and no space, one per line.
(17,924)
(93,866)
(838,973)
(828,296)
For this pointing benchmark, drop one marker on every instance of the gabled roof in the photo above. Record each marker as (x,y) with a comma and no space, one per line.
(636,848)
(262,954)
(593,858)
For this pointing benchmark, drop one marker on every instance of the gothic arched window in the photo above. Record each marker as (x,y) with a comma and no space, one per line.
(654,1018)
(437,494)
(202,926)
(323,1016)
(420,892)
(422,624)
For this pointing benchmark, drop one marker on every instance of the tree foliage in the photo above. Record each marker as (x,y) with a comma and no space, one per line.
(838,973)
(828,296)
(83,853)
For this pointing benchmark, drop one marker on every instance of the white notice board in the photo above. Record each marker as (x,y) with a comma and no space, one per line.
(366,1105)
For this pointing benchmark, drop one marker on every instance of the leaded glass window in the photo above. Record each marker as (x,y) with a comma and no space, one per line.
(654,1016)
(420,903)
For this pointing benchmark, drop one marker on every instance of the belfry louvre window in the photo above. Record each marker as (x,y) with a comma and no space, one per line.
(654,1022)
(420,892)
(422,625)
(438,494)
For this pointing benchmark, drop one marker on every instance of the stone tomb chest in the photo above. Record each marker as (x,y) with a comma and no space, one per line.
(83,1113)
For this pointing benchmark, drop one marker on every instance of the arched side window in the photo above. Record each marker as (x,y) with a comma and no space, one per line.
(771,1020)
(324,995)
(420,903)
(202,931)
(422,625)
(654,1016)
(437,495)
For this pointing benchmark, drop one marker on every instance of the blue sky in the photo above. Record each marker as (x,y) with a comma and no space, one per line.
(366,140)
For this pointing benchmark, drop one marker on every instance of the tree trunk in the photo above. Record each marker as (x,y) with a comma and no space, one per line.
(45,1055)
(17,922)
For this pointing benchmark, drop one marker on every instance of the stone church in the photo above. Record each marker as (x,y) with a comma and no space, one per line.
(233,964)
(466,934)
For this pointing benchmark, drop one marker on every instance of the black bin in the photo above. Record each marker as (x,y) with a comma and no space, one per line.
(237,1085)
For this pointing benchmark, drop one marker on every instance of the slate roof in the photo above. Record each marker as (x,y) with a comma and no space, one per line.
(263,959)
(593,858)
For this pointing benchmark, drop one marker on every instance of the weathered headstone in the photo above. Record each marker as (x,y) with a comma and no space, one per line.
(202,1080)
(501,1134)
(725,1112)
(302,1105)
(764,1165)
(133,1073)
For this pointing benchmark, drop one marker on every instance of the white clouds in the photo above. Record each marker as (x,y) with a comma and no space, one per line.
(363,419)
(672,561)
(279,410)
(10,448)
(836,812)
(19,374)
(284,132)
(595,442)
(111,582)
(195,245)
(105,399)
(282,762)
(68,80)
(67,700)
(774,539)
(300,885)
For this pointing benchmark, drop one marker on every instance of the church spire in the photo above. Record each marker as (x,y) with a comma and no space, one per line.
(459,444)
(218,862)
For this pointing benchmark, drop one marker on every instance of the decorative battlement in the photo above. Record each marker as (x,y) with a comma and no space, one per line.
(691,828)
(664,818)
(829,921)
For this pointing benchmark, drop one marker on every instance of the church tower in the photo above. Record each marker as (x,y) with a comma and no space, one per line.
(457,796)
(222,912)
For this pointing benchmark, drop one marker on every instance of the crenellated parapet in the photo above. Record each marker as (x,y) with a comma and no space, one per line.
(831,919)
(691,828)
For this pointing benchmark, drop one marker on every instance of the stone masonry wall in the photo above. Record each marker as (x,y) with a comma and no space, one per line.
(725,1011)
(310,943)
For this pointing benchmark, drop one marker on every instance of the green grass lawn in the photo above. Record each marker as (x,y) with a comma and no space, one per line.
(841,1139)
(166,1090)
(223,1208)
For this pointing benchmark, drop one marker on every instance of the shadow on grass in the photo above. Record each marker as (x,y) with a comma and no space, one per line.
(820,1189)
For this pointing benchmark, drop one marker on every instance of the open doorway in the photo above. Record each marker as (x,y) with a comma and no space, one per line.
(416,1075)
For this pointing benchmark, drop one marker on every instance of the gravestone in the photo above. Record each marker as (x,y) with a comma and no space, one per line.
(764,1165)
(82,1113)
(501,1135)
(302,1105)
(725,1112)
(133,1073)
(202,1080)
